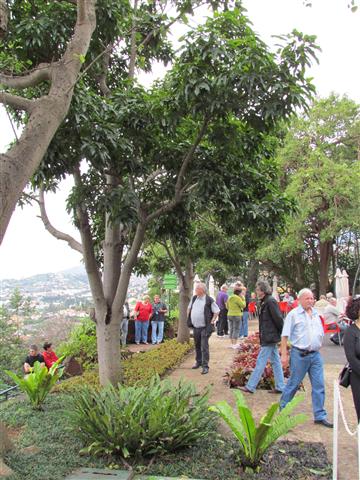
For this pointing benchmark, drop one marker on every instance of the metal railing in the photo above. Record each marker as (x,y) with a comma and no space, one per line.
(9,392)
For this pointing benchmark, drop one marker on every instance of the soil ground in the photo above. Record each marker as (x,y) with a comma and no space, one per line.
(220,359)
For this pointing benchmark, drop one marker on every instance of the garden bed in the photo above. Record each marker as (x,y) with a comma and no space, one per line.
(216,460)
(244,364)
(212,459)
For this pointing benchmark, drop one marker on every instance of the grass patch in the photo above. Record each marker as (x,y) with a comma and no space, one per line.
(49,431)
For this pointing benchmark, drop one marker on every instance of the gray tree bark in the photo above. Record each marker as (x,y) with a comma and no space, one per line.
(46,113)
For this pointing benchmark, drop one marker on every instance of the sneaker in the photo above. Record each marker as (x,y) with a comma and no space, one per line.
(137,343)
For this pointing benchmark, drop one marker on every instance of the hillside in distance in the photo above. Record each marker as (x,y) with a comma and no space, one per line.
(67,288)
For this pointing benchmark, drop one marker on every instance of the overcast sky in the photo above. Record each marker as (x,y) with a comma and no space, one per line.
(28,249)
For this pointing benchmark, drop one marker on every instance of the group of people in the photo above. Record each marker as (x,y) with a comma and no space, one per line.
(328,307)
(46,359)
(302,327)
(233,313)
(144,313)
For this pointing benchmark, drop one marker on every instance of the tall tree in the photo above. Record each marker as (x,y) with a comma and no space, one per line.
(55,71)
(321,170)
(149,150)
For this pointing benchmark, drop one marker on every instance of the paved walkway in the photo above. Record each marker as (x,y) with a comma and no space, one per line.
(221,357)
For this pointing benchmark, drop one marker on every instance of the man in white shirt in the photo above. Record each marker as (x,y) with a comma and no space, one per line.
(304,329)
(202,313)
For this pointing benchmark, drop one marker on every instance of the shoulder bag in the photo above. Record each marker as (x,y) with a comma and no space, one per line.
(344,377)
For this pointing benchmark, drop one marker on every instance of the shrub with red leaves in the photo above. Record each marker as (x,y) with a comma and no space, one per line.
(244,363)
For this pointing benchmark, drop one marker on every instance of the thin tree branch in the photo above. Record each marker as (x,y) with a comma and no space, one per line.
(31,79)
(91,265)
(153,175)
(179,188)
(12,124)
(105,62)
(74,244)
(19,103)
(188,157)
(133,47)
(74,2)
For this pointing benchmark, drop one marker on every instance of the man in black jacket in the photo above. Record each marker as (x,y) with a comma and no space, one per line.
(270,327)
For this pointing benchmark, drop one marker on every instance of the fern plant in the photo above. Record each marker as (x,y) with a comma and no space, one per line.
(255,440)
(39,382)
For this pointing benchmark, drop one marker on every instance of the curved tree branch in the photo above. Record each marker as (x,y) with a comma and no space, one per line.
(74,244)
(19,103)
(36,76)
(91,265)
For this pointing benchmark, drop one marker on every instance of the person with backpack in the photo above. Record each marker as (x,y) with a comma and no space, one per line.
(202,314)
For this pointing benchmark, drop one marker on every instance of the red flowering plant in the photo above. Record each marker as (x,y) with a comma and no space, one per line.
(244,363)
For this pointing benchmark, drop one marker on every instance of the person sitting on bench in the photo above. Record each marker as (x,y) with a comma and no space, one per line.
(34,356)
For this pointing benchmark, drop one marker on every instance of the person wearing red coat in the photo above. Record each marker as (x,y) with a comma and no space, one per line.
(49,355)
(142,314)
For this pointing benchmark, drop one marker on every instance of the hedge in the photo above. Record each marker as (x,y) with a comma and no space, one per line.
(137,369)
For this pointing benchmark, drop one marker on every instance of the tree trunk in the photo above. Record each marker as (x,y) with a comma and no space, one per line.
(108,347)
(325,253)
(186,282)
(19,163)
(253,274)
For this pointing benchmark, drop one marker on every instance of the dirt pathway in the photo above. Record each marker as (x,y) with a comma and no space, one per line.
(221,357)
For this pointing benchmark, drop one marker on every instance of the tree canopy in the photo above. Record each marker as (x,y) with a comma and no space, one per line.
(320,169)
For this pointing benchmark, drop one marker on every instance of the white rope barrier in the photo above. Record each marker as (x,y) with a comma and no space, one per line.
(338,405)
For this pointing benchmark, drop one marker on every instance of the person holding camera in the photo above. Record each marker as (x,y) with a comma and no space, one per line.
(157,320)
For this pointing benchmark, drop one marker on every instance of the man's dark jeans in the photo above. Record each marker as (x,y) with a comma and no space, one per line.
(222,324)
(201,340)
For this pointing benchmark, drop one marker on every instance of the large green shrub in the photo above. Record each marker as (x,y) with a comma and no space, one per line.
(138,368)
(255,440)
(39,382)
(140,421)
(81,344)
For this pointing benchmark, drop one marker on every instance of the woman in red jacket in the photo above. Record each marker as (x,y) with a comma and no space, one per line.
(142,314)
(49,355)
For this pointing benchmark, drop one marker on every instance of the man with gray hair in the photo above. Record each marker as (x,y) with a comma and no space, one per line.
(304,329)
(202,313)
(270,326)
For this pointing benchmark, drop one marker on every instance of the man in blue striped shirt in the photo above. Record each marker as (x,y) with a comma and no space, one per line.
(303,328)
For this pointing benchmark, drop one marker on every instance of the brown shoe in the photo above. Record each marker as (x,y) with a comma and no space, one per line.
(275,391)
(245,389)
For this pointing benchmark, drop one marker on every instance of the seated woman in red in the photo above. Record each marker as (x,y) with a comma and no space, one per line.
(49,355)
